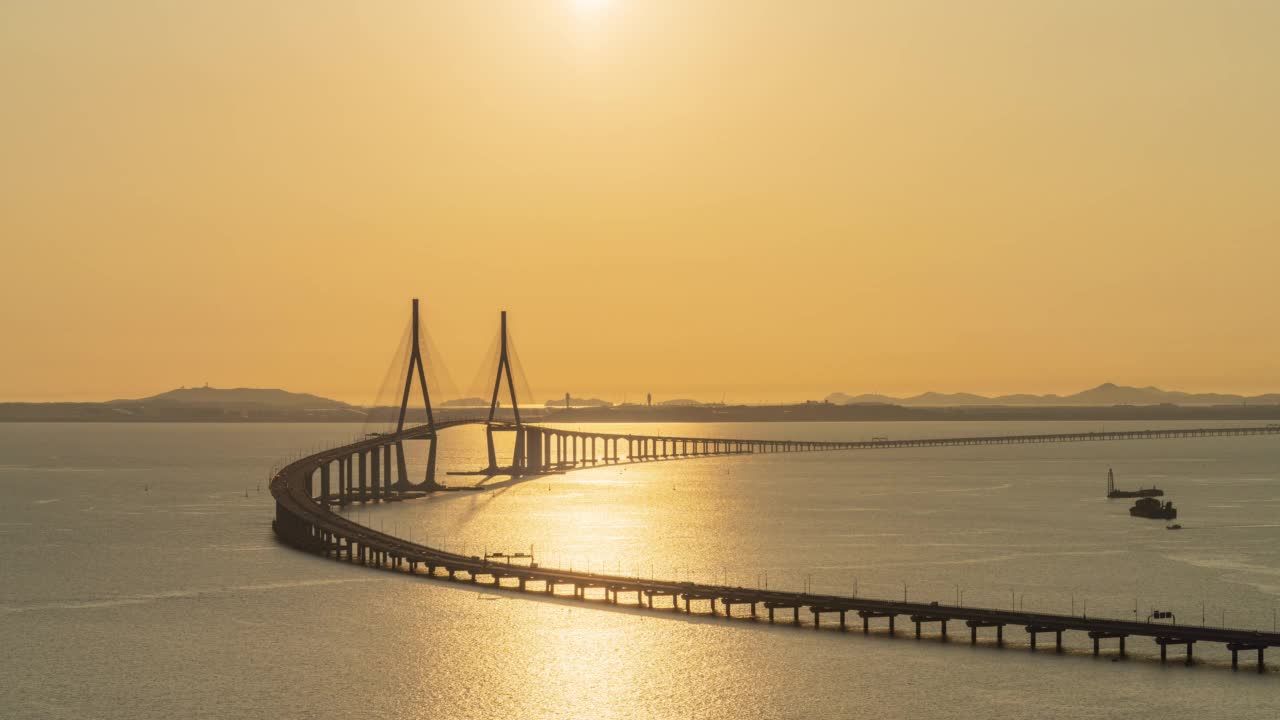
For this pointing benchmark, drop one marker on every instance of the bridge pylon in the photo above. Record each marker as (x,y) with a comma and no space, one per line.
(418,368)
(504,368)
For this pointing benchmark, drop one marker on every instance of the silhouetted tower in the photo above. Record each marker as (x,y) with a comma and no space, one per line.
(416,366)
(566,401)
(649,399)
(504,367)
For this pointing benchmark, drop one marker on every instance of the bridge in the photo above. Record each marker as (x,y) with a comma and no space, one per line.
(374,469)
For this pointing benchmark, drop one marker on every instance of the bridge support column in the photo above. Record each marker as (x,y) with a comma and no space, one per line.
(1235,649)
(364,476)
(430,482)
(493,454)
(402,465)
(350,462)
(343,491)
(1166,642)
(324,484)
(533,450)
(387,470)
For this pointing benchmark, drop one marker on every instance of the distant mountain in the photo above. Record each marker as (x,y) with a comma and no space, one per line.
(235,398)
(1103,395)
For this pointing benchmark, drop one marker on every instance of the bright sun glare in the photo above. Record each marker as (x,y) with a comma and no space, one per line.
(589,6)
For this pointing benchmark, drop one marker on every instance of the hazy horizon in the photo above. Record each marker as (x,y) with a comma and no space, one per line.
(689,199)
(639,398)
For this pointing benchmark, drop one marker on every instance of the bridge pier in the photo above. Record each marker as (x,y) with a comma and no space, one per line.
(817,612)
(866,616)
(364,478)
(402,471)
(973,631)
(1165,642)
(533,450)
(1034,630)
(350,462)
(387,452)
(1097,635)
(325,496)
(342,481)
(1235,649)
(795,610)
(921,619)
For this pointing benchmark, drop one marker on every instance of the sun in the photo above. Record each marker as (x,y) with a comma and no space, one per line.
(590,6)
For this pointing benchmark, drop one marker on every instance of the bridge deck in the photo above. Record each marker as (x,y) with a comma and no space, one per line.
(305,522)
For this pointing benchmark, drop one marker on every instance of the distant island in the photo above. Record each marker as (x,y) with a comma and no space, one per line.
(1105,402)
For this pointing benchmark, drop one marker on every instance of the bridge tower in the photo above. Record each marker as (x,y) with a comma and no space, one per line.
(504,368)
(416,366)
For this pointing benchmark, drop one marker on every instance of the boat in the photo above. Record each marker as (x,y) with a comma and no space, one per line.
(1112,492)
(1151,508)
(1174,526)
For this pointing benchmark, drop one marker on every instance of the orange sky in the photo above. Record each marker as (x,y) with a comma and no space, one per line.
(763,200)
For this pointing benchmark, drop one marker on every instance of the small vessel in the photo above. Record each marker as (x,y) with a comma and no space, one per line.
(1174,526)
(1112,492)
(1151,508)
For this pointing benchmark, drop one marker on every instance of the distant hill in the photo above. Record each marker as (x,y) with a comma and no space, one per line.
(237,398)
(1103,395)
(203,404)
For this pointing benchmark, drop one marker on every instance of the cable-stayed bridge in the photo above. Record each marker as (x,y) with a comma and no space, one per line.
(374,469)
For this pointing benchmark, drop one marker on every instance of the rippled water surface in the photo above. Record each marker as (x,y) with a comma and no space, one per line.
(139,579)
